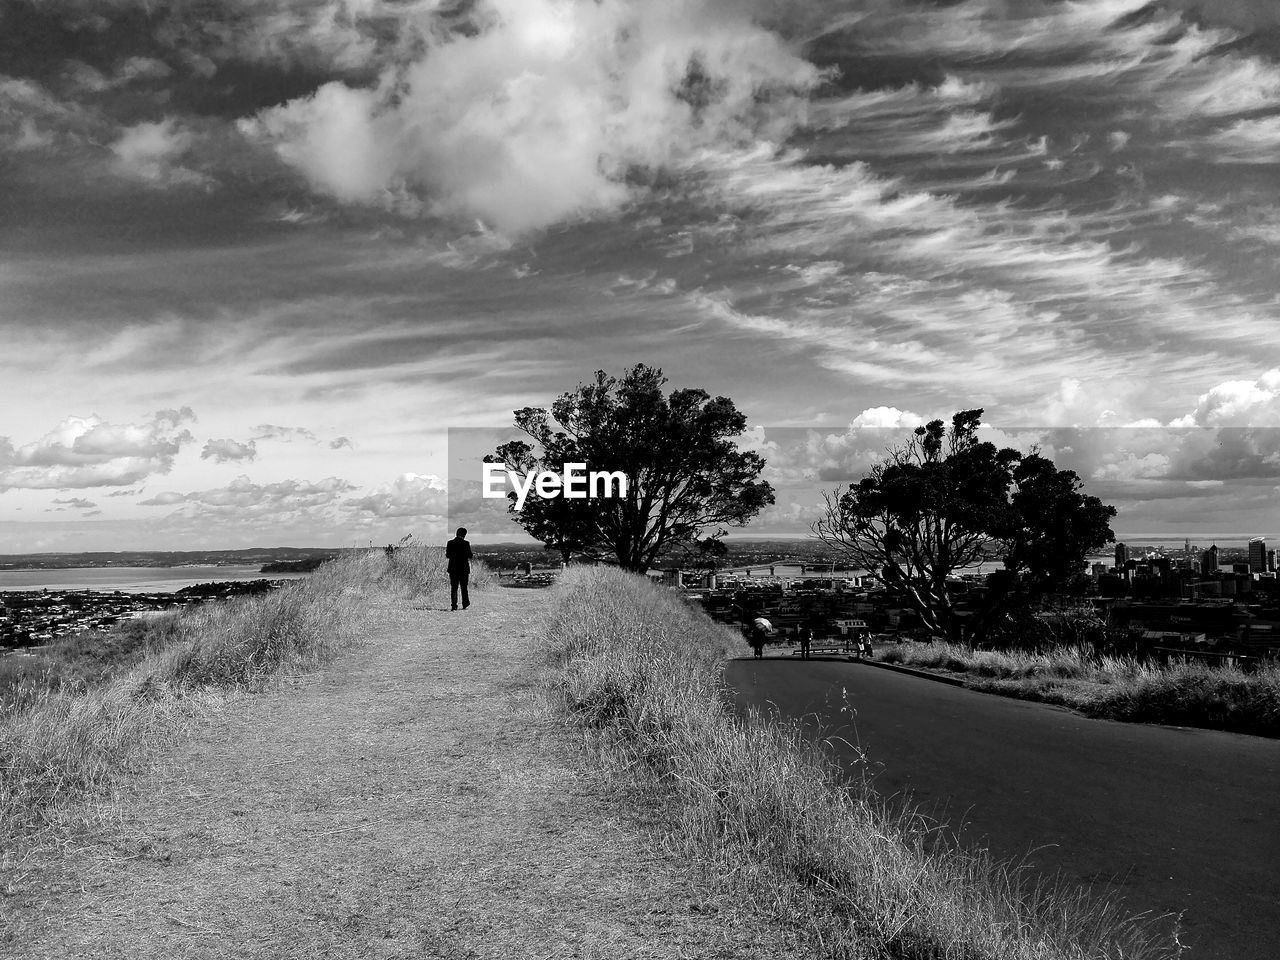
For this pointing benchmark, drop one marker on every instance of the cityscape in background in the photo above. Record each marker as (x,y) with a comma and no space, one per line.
(1219,602)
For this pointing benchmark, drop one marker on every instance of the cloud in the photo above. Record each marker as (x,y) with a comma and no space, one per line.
(90,452)
(543,111)
(167,499)
(243,501)
(153,153)
(270,431)
(78,503)
(132,70)
(1237,403)
(409,495)
(339,442)
(229,451)
(886,418)
(1152,465)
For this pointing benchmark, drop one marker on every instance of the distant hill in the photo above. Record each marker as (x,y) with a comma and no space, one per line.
(252,556)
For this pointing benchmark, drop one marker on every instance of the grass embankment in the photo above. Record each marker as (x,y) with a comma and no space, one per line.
(760,806)
(92,705)
(1113,688)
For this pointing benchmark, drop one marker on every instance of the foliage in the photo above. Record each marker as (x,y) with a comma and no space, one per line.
(686,478)
(708,553)
(945,500)
(1053,526)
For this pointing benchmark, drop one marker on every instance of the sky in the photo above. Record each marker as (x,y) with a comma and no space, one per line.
(259,257)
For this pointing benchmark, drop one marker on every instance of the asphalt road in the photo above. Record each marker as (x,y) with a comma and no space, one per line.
(1175,821)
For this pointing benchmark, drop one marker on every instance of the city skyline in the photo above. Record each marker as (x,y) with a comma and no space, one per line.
(259,258)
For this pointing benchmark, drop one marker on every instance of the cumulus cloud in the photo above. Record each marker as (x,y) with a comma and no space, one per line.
(90,452)
(1131,467)
(79,503)
(337,443)
(798,456)
(243,500)
(1237,403)
(544,110)
(409,495)
(886,418)
(229,451)
(153,153)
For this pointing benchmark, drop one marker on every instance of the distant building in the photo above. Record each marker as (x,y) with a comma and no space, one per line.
(1122,555)
(1209,560)
(1258,555)
(1271,561)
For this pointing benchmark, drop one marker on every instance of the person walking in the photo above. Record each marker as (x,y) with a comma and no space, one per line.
(806,638)
(758,633)
(457,554)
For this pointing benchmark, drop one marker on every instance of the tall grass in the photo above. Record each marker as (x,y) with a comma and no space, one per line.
(763,808)
(68,730)
(1115,688)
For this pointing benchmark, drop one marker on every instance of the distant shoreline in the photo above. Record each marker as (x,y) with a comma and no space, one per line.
(135,579)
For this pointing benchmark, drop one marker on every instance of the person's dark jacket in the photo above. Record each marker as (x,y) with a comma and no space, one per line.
(458,553)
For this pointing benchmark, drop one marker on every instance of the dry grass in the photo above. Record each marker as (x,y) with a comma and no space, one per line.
(70,730)
(420,800)
(1114,688)
(767,814)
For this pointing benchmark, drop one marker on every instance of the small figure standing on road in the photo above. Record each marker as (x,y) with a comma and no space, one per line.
(457,554)
(806,638)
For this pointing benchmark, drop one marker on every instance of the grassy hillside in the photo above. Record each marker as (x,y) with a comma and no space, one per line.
(95,704)
(766,814)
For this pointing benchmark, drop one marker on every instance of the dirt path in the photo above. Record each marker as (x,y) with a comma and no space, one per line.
(413,800)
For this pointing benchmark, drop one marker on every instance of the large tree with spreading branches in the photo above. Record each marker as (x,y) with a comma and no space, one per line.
(944,500)
(687,481)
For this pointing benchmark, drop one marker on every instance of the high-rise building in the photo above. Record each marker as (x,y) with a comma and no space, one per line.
(1271,561)
(1209,560)
(1258,555)
(1122,555)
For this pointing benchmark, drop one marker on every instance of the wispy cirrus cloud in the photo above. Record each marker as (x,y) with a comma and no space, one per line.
(272,431)
(370,217)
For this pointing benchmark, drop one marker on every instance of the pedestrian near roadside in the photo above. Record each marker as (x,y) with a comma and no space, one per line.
(457,554)
(806,638)
(758,633)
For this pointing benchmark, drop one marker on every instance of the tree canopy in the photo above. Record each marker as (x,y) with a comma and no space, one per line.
(686,478)
(945,500)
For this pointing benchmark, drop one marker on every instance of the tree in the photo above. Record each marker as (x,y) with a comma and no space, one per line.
(686,478)
(944,501)
(1054,526)
(563,525)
